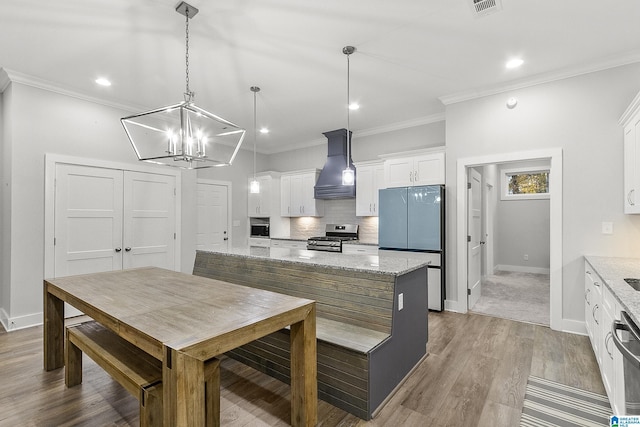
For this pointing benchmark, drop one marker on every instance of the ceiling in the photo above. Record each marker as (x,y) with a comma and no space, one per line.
(411,55)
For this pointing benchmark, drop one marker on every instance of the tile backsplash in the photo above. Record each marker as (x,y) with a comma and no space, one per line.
(341,211)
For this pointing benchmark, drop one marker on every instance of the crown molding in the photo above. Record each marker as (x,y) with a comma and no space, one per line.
(420,121)
(4,80)
(11,76)
(613,62)
(630,111)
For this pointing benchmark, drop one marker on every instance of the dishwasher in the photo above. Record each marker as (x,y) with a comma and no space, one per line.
(628,343)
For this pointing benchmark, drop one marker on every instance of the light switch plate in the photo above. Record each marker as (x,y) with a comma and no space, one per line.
(607,228)
(400,301)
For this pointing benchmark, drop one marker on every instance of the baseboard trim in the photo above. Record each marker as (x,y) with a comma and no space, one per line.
(15,323)
(522,269)
(451,305)
(574,327)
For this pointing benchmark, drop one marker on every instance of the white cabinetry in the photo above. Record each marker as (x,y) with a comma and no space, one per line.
(418,169)
(297,194)
(259,241)
(265,202)
(348,248)
(289,244)
(370,179)
(601,308)
(630,121)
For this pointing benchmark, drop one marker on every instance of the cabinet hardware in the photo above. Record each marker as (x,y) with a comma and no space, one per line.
(586,295)
(629,197)
(606,344)
(593,313)
(127,249)
(118,249)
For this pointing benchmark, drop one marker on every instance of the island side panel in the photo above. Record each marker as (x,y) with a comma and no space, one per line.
(392,360)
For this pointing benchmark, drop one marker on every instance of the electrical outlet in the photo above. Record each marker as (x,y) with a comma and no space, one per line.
(400,301)
(526,257)
(607,228)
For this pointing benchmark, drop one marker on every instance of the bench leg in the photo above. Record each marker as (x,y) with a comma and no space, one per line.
(151,406)
(72,362)
(212,392)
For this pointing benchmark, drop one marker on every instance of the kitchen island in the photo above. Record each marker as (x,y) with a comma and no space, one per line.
(371,317)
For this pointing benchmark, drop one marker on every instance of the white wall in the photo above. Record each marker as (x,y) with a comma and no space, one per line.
(523,228)
(579,115)
(46,122)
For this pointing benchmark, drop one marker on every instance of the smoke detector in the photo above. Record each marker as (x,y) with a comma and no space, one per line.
(485,7)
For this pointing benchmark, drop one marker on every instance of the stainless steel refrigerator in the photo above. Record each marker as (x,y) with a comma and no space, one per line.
(412,220)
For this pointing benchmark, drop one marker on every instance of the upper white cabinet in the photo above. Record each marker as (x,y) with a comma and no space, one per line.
(370,179)
(630,121)
(264,203)
(297,194)
(413,170)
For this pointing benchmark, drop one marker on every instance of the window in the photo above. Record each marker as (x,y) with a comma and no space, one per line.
(525,183)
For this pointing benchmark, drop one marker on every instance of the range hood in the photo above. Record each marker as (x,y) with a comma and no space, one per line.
(329,185)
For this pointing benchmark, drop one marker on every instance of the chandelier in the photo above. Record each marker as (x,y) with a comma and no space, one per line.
(183,135)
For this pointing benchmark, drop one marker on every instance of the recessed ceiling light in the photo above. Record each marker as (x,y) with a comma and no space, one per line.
(264,130)
(514,63)
(354,106)
(103,82)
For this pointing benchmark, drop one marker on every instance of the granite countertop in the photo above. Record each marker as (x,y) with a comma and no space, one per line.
(367,263)
(613,271)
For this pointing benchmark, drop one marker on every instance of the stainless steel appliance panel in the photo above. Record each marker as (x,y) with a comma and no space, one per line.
(628,343)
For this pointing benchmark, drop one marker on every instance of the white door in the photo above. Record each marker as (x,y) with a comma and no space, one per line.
(149,220)
(88,220)
(212,231)
(474,218)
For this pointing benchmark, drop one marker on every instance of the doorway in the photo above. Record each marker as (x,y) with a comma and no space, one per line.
(514,241)
(554,158)
(213,211)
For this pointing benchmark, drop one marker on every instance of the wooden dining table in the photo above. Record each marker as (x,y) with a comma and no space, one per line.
(185,320)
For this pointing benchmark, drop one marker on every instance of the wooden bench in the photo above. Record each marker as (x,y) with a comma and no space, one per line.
(364,351)
(137,371)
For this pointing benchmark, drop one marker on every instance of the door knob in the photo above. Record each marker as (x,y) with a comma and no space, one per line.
(482,243)
(225,239)
(118,249)
(127,249)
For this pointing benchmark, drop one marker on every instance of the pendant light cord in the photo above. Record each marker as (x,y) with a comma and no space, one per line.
(348,115)
(254,133)
(188,93)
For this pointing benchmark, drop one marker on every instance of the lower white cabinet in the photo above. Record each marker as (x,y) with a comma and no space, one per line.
(290,244)
(348,248)
(259,241)
(601,308)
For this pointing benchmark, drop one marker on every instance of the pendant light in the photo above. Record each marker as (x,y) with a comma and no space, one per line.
(183,135)
(254,186)
(348,175)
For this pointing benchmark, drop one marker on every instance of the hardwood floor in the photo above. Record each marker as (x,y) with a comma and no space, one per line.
(475,375)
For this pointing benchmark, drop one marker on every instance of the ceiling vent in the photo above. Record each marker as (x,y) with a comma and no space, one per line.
(485,7)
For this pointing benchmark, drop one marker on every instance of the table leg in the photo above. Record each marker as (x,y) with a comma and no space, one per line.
(183,389)
(53,331)
(304,382)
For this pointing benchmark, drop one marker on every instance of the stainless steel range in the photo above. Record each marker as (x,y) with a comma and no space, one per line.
(335,234)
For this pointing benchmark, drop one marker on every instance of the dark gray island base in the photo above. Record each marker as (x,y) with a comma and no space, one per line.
(367,344)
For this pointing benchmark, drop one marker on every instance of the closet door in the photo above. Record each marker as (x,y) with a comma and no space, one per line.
(88,220)
(149,220)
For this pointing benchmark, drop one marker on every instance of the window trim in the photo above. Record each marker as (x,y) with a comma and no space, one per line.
(504,183)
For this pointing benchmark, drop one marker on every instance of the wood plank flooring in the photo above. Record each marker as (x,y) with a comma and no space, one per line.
(475,375)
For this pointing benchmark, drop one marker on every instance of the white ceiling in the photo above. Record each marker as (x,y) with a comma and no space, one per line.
(410,54)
